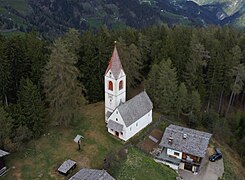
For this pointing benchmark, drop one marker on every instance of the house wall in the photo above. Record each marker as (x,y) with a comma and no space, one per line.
(172,152)
(138,125)
(113,98)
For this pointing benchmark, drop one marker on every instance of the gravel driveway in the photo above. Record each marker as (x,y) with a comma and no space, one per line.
(209,171)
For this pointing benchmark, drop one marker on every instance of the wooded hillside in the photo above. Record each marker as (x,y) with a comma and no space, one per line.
(196,75)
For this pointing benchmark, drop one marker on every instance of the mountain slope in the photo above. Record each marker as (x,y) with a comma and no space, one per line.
(234,10)
(52,17)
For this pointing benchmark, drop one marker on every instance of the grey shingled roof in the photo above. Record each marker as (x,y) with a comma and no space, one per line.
(3,153)
(92,174)
(108,114)
(66,166)
(196,142)
(135,108)
(115,126)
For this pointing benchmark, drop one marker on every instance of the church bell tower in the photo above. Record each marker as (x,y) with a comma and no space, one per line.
(115,84)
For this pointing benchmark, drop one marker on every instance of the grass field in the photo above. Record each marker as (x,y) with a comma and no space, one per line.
(43,156)
(138,166)
(40,159)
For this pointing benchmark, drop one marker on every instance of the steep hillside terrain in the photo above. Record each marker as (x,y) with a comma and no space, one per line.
(52,18)
(233,11)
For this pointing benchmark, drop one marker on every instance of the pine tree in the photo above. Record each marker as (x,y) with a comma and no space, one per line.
(182,99)
(165,78)
(152,85)
(32,111)
(60,80)
(239,74)
(194,108)
(5,121)
(131,62)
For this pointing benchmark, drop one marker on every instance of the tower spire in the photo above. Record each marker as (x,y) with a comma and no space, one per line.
(115,63)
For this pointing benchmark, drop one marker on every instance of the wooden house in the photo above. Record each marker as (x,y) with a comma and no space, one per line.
(183,148)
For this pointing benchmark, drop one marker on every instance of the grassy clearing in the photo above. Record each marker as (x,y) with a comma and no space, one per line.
(39,159)
(42,157)
(138,166)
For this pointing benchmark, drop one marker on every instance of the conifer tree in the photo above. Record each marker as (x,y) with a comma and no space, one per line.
(194,108)
(5,121)
(182,99)
(60,80)
(131,61)
(32,113)
(165,91)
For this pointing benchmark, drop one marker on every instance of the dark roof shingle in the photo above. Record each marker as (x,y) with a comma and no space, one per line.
(195,143)
(91,174)
(115,126)
(135,108)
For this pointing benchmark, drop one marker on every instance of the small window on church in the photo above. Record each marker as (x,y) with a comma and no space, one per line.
(110,86)
(120,85)
(116,119)
(122,133)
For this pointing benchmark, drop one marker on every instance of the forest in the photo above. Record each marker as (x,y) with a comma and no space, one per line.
(196,75)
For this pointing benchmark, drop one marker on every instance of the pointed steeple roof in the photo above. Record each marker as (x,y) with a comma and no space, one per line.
(115,64)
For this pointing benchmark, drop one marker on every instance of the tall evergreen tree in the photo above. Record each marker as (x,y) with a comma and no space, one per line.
(165,77)
(5,121)
(60,80)
(182,99)
(32,112)
(131,62)
(194,108)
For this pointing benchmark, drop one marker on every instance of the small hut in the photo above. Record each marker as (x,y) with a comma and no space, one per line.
(2,164)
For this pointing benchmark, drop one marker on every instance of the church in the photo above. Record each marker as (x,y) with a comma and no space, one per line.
(124,118)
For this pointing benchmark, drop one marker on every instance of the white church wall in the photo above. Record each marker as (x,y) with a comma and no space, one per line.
(138,125)
(116,116)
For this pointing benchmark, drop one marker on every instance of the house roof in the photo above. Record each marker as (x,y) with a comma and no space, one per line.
(115,64)
(91,174)
(3,153)
(115,126)
(135,108)
(108,114)
(186,140)
(66,166)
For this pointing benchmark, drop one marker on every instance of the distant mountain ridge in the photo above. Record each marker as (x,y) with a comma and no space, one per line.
(53,17)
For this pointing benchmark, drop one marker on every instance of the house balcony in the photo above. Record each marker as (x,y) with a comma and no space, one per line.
(162,156)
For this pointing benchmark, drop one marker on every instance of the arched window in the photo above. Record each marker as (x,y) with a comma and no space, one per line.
(110,86)
(120,85)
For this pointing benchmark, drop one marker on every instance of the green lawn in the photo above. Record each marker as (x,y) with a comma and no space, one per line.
(43,156)
(138,166)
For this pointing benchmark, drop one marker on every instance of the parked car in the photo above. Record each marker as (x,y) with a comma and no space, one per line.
(216,156)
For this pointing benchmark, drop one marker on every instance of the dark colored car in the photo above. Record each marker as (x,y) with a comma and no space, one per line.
(216,156)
